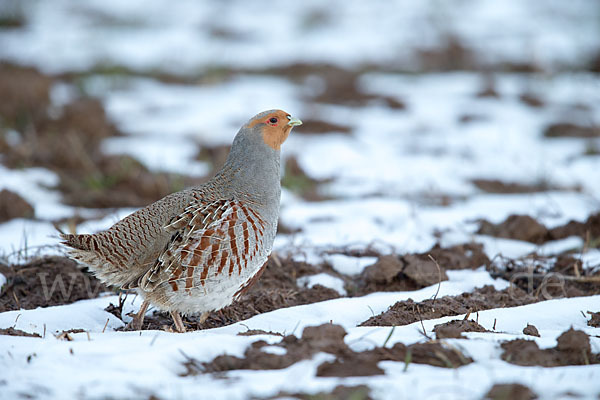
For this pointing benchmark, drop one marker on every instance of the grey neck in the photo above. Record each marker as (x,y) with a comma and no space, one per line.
(252,170)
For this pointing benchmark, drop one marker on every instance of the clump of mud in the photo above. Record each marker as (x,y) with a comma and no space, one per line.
(526,228)
(454,329)
(46,282)
(485,298)
(567,129)
(594,320)
(531,330)
(329,338)
(573,348)
(418,270)
(512,391)
(341,392)
(496,186)
(17,332)
(14,206)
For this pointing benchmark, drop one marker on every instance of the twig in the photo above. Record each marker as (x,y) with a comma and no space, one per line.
(154,338)
(105,325)
(16,319)
(439,278)
(422,325)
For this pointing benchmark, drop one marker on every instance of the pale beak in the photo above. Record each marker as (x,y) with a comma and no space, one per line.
(294,121)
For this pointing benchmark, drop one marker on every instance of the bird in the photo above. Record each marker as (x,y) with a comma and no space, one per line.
(197,250)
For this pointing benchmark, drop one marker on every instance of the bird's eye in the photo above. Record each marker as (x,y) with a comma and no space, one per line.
(273,120)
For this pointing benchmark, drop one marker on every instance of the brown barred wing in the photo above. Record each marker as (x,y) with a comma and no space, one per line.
(210,242)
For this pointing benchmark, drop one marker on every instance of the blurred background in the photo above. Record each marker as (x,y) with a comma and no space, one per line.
(466,130)
(419,116)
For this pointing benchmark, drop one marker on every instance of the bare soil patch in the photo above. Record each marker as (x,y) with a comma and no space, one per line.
(573,348)
(329,338)
(455,329)
(526,228)
(496,186)
(339,85)
(415,271)
(341,392)
(450,55)
(67,139)
(531,330)
(46,282)
(512,391)
(17,332)
(567,129)
(534,279)
(532,100)
(14,206)
(485,298)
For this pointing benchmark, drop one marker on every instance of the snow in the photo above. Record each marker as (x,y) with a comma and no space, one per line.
(323,279)
(186,36)
(349,265)
(400,182)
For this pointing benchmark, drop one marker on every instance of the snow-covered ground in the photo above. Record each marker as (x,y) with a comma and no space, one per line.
(386,178)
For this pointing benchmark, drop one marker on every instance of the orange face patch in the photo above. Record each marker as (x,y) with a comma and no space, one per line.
(275,130)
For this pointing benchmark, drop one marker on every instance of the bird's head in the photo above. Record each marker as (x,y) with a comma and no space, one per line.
(273,127)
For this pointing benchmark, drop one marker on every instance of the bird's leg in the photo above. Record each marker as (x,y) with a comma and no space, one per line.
(203,317)
(179,327)
(138,319)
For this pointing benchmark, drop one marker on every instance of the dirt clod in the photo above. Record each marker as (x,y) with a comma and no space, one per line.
(496,186)
(518,227)
(17,332)
(46,282)
(424,272)
(512,391)
(531,330)
(329,338)
(13,206)
(594,320)
(567,129)
(573,348)
(417,270)
(454,329)
(360,392)
(341,368)
(523,227)
(406,312)
(574,340)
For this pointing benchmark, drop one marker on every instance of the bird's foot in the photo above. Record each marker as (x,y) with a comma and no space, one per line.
(138,319)
(179,326)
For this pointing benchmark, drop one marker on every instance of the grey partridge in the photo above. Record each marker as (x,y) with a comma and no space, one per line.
(198,250)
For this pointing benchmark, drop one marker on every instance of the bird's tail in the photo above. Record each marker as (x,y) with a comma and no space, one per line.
(88,250)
